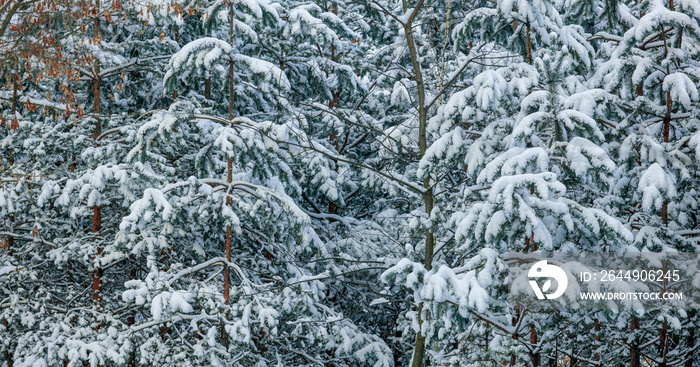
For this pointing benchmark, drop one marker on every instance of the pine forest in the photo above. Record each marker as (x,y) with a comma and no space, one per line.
(272,183)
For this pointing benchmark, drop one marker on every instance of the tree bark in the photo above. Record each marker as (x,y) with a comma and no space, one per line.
(229,178)
(227,270)
(96,210)
(635,356)
(97,271)
(529,43)
(207,88)
(130,321)
(667,117)
(428,197)
(96,214)
(663,334)
(691,340)
(8,356)
(534,356)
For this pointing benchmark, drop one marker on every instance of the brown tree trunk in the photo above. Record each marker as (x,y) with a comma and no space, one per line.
(8,356)
(229,235)
(664,212)
(663,334)
(229,179)
(96,210)
(96,215)
(130,321)
(534,356)
(227,274)
(691,340)
(419,344)
(529,43)
(97,271)
(667,117)
(207,88)
(332,208)
(640,89)
(514,322)
(14,122)
(635,356)
(10,239)
(9,246)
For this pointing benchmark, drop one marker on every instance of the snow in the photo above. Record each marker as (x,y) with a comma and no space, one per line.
(210,57)
(141,209)
(583,156)
(683,90)
(400,94)
(515,161)
(378,301)
(8,269)
(7,96)
(648,149)
(466,287)
(148,10)
(302,21)
(270,72)
(445,149)
(554,154)
(253,6)
(167,303)
(139,294)
(691,6)
(656,186)
(196,48)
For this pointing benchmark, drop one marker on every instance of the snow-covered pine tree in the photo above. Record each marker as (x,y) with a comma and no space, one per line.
(336,182)
(69,152)
(651,67)
(536,177)
(243,171)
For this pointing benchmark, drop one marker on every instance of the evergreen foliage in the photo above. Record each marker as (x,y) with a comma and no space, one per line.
(338,183)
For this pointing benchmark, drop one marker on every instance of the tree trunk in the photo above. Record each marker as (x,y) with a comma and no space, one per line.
(691,340)
(96,210)
(130,321)
(332,208)
(597,339)
(529,43)
(667,117)
(229,178)
(428,197)
(419,346)
(96,215)
(8,356)
(97,271)
(534,356)
(207,88)
(230,66)
(514,322)
(10,239)
(663,333)
(227,270)
(635,357)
